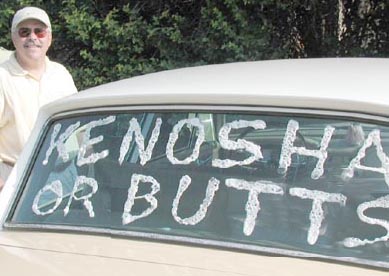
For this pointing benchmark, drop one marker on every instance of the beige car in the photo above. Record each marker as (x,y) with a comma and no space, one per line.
(259,168)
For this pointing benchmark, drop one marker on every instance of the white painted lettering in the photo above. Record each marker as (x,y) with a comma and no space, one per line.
(60,143)
(288,149)
(55,188)
(382,202)
(127,217)
(213,186)
(316,215)
(240,144)
(87,142)
(253,205)
(80,181)
(194,122)
(134,128)
(374,138)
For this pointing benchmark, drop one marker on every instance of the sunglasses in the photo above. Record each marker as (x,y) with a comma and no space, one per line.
(26,32)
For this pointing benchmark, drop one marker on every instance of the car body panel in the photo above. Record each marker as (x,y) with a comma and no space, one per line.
(63,254)
(311,83)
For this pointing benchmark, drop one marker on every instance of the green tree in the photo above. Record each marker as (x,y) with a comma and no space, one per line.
(101,41)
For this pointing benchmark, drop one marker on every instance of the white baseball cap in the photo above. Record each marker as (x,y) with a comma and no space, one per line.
(30,13)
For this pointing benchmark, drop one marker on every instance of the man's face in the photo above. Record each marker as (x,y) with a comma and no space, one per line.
(31,39)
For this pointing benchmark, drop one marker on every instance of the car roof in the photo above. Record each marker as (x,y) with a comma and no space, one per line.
(347,84)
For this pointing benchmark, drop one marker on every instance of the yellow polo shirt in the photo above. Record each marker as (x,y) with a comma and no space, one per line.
(21,96)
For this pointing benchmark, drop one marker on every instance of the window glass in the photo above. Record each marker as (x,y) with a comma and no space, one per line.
(309,184)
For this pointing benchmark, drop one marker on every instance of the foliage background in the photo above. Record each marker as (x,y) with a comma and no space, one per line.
(101,41)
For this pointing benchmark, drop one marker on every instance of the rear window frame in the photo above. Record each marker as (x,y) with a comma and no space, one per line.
(311,113)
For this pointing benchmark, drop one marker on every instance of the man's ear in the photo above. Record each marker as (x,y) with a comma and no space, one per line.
(50,37)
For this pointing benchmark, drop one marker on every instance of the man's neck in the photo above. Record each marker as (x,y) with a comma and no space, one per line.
(35,68)
(37,73)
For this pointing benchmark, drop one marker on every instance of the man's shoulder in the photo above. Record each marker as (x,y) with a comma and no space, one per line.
(4,54)
(56,66)
(11,67)
(57,73)
(4,72)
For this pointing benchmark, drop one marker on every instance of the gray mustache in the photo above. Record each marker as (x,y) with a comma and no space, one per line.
(31,43)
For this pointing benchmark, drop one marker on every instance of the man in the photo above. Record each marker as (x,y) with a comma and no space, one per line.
(28,80)
(4,54)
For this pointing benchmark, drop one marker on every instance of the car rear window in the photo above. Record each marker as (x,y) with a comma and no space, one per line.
(277,182)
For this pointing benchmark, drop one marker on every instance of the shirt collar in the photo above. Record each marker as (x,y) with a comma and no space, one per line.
(17,70)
